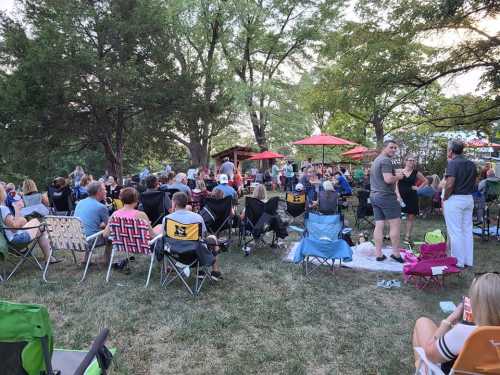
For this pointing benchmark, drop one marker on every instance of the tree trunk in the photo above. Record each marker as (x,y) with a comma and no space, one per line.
(198,152)
(259,131)
(378,124)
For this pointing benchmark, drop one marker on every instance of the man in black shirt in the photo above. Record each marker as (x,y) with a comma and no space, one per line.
(458,203)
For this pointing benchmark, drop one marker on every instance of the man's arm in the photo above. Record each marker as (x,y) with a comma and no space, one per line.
(448,187)
(390,179)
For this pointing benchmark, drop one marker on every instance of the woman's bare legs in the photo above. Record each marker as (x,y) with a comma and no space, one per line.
(422,333)
(410,221)
(44,239)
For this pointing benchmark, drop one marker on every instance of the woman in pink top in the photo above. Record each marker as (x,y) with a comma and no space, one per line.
(130,198)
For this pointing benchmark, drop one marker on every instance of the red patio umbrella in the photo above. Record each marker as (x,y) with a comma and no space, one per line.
(324,140)
(359,152)
(266,155)
(479,143)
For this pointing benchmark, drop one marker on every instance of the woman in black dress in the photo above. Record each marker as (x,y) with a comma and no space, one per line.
(406,190)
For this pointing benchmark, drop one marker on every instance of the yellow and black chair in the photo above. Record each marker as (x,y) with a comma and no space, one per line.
(295,206)
(184,249)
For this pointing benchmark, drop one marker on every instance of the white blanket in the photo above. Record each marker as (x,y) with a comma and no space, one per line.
(361,261)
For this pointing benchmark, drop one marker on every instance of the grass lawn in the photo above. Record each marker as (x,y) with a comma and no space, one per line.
(265,317)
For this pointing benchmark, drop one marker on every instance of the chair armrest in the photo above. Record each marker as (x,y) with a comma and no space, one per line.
(153,241)
(95,235)
(426,364)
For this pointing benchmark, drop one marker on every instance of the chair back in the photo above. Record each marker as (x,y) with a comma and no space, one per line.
(61,199)
(25,336)
(364,208)
(328,202)
(492,192)
(130,235)
(4,244)
(32,199)
(480,353)
(182,237)
(323,227)
(215,212)
(170,192)
(295,203)
(153,205)
(66,233)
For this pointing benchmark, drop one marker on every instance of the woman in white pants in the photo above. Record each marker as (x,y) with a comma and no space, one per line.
(458,203)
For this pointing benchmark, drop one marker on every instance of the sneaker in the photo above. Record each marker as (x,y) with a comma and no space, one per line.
(381,258)
(216,276)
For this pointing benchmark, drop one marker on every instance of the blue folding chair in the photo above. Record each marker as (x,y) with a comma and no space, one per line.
(321,243)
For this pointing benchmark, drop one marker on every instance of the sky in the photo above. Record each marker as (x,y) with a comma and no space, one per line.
(460,85)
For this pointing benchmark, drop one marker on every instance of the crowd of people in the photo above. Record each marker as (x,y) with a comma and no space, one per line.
(393,192)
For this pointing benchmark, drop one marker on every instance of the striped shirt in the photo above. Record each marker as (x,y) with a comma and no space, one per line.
(451,343)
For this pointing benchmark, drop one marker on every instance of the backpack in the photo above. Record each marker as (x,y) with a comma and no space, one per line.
(434,237)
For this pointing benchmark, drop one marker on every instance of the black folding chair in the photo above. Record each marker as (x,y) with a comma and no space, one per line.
(183,250)
(255,224)
(60,201)
(295,206)
(218,215)
(153,204)
(365,210)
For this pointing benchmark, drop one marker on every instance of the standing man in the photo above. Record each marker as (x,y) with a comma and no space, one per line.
(289,175)
(275,175)
(227,168)
(386,207)
(458,203)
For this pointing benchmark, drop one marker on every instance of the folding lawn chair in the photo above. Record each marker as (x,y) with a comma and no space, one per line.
(365,210)
(27,345)
(67,233)
(321,244)
(218,216)
(132,237)
(295,206)
(490,202)
(256,225)
(153,204)
(60,201)
(15,253)
(183,250)
(479,355)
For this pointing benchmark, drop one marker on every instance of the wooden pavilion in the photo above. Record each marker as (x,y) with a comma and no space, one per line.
(235,154)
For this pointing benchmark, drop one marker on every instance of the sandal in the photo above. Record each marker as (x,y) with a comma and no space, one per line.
(381,258)
(397,259)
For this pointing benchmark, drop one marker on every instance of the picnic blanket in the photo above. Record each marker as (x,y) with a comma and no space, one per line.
(359,260)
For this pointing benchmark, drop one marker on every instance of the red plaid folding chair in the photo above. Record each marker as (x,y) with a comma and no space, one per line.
(132,237)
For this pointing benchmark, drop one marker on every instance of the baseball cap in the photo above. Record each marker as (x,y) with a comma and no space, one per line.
(223,179)
(299,187)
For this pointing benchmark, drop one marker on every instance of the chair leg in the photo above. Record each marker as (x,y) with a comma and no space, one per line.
(150,268)
(108,274)
(46,269)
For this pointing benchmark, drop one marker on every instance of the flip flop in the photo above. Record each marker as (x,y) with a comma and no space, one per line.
(399,260)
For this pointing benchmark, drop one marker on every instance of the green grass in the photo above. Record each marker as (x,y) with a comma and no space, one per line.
(265,317)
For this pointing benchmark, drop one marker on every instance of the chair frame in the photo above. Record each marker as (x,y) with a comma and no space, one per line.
(150,244)
(294,219)
(224,223)
(242,243)
(17,251)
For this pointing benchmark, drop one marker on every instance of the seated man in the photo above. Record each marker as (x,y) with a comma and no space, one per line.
(344,189)
(94,214)
(327,202)
(182,215)
(152,186)
(181,184)
(224,186)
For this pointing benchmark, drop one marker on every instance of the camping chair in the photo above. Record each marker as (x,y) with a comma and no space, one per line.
(170,192)
(365,210)
(27,345)
(153,204)
(322,243)
(182,251)
(491,200)
(132,237)
(218,215)
(295,206)
(60,201)
(480,355)
(256,213)
(17,254)
(66,233)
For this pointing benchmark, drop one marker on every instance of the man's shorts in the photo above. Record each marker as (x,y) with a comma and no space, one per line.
(385,207)
(21,238)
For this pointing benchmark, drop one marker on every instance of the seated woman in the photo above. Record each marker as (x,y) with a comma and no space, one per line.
(32,196)
(327,202)
(21,236)
(260,193)
(112,188)
(198,195)
(130,198)
(442,343)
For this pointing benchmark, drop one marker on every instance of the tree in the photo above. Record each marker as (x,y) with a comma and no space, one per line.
(82,74)
(204,107)
(264,41)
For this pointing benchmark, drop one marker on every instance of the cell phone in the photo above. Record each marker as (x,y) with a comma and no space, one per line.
(467,315)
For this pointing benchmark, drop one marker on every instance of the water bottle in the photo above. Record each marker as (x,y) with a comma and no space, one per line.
(403,205)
